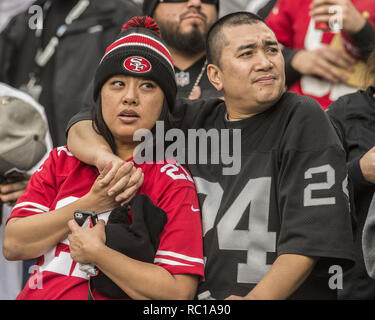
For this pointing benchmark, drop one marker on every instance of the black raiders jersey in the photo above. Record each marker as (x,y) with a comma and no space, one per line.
(288,195)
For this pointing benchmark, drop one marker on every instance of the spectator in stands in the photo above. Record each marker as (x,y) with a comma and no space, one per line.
(76,34)
(323,64)
(184,26)
(22,119)
(353,116)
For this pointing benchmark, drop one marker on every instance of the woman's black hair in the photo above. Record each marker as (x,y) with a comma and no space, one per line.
(99,125)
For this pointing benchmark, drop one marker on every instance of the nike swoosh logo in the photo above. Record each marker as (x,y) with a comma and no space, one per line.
(195,210)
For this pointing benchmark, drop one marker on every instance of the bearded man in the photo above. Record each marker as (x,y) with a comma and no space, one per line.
(184,26)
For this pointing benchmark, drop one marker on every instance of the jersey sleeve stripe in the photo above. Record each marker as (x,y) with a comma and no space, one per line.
(32,204)
(171,262)
(34,210)
(178,255)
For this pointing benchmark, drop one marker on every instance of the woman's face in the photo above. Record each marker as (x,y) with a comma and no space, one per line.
(129,104)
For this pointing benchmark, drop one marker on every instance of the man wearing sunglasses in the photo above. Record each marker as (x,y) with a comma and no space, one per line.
(184,25)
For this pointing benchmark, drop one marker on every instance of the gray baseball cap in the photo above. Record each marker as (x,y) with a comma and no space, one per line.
(22,135)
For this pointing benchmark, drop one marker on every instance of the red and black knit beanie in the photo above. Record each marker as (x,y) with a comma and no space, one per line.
(139,51)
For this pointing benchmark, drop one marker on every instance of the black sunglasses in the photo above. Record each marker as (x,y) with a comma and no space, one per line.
(204,1)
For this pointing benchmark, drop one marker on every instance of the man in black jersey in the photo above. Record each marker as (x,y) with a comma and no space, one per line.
(279,227)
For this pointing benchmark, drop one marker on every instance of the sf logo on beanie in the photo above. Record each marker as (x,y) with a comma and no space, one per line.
(137,64)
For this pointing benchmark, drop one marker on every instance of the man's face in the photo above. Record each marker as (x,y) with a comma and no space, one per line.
(184,25)
(251,68)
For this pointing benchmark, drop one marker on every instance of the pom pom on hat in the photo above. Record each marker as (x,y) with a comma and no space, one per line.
(142,22)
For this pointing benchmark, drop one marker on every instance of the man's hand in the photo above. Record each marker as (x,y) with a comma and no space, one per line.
(286,274)
(322,62)
(99,154)
(352,20)
(84,243)
(10,192)
(367,165)
(100,194)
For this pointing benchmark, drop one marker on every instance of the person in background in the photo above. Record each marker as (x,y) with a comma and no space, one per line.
(327,43)
(25,142)
(353,115)
(184,26)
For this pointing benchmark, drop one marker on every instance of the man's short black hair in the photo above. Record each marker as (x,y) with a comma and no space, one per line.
(216,40)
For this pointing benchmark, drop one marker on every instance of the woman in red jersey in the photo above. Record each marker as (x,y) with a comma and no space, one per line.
(134,87)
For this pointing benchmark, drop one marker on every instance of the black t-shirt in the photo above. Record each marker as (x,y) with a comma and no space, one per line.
(354,115)
(288,196)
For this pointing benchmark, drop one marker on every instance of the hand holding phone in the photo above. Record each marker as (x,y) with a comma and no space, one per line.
(12,176)
(81,217)
(86,219)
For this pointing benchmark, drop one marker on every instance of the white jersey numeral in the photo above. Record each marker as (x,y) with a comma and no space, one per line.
(256,240)
(308,200)
(211,204)
(60,261)
(172,170)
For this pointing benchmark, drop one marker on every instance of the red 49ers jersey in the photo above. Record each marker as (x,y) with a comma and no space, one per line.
(63,179)
(294,28)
